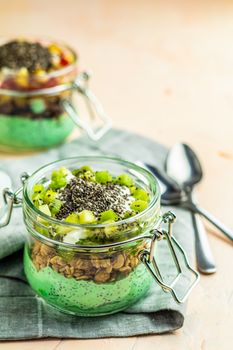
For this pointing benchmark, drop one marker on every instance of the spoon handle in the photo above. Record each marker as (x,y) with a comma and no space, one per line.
(204,256)
(214,221)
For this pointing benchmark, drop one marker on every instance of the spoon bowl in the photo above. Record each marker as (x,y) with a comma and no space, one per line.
(183,166)
(171,193)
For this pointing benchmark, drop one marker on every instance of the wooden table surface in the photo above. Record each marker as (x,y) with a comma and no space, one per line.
(163,69)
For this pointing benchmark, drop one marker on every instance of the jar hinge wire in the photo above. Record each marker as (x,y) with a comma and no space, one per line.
(12,199)
(148,258)
(94,107)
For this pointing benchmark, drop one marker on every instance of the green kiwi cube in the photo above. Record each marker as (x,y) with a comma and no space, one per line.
(125,180)
(139,205)
(103,177)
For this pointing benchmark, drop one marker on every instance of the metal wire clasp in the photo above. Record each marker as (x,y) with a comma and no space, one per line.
(148,258)
(11,199)
(94,107)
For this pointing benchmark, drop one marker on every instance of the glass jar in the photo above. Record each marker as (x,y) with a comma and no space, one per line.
(103,278)
(36,109)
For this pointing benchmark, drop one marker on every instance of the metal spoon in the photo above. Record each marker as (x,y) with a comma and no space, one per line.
(183,166)
(171,194)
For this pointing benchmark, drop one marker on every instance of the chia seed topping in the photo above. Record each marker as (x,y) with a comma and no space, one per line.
(21,54)
(81,195)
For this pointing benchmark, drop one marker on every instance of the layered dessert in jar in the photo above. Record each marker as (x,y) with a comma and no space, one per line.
(82,256)
(31,112)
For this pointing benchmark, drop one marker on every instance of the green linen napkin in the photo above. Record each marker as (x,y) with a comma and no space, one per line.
(26,316)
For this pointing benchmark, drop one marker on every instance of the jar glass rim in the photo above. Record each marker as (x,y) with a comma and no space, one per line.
(38,175)
(40,92)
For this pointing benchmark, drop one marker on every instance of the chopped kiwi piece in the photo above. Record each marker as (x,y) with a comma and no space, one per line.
(124,180)
(42,230)
(132,189)
(85,173)
(139,205)
(50,196)
(86,168)
(62,172)
(72,218)
(38,189)
(58,183)
(45,209)
(88,176)
(110,230)
(55,175)
(139,193)
(129,214)
(37,199)
(86,217)
(83,169)
(61,230)
(55,206)
(103,177)
(59,178)
(107,215)
(75,172)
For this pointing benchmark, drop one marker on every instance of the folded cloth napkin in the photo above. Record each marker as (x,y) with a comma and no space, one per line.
(26,316)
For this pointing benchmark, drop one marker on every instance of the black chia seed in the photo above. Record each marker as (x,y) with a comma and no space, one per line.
(22,54)
(81,195)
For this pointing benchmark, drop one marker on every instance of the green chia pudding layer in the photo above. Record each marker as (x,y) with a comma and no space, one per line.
(84,212)
(26,133)
(83,297)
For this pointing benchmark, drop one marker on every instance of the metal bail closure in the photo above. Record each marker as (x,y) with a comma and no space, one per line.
(94,107)
(147,257)
(11,200)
